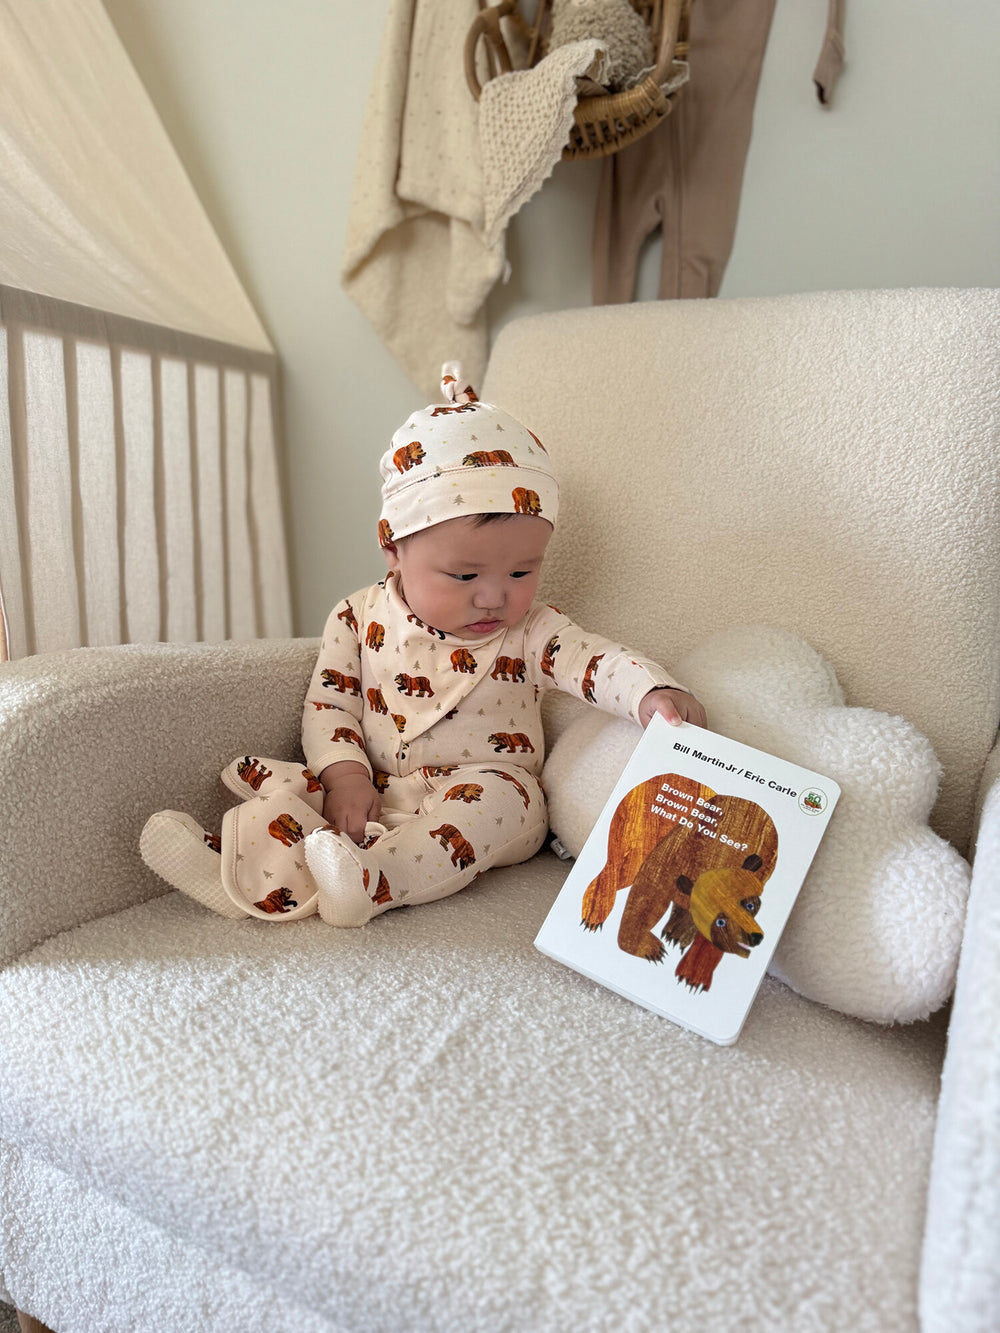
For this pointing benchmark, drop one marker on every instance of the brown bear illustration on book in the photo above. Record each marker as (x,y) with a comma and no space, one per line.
(708,871)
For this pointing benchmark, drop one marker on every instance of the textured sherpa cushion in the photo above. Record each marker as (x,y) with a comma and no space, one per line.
(425,1126)
(877,927)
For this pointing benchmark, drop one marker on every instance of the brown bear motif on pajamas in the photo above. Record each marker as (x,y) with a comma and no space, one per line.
(341,683)
(465,791)
(509,777)
(514,743)
(376,702)
(278,900)
(347,734)
(549,657)
(463,854)
(508,668)
(587,689)
(253,772)
(375,636)
(414,685)
(286,829)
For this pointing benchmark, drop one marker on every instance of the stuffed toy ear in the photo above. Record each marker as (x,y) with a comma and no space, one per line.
(877,926)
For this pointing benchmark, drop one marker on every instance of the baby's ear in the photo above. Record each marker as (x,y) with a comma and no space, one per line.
(391,556)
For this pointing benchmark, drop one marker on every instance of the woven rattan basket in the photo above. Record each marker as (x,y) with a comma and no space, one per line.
(603,122)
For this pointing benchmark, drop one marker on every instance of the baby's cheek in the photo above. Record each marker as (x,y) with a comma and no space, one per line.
(526,594)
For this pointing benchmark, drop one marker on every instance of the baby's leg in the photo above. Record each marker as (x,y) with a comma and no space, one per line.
(179,850)
(470,820)
(264,867)
(257,866)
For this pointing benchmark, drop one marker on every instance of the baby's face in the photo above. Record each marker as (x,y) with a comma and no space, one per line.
(471,581)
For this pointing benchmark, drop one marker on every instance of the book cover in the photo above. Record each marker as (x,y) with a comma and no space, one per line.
(680,893)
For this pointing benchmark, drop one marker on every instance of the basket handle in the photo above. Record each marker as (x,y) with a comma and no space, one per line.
(668,40)
(487,25)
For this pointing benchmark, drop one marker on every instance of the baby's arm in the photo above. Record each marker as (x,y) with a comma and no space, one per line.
(333,726)
(604,673)
(350,800)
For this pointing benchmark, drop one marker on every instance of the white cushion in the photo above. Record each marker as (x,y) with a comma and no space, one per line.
(427,1124)
(82,1262)
(877,927)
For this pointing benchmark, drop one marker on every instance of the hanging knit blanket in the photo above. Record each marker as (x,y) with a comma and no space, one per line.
(524,123)
(415,261)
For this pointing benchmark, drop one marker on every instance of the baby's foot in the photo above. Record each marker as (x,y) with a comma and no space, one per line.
(187,856)
(350,889)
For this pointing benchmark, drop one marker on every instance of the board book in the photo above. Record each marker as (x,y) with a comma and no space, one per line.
(680,893)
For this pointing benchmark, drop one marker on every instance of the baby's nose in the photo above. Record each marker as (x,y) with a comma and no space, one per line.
(488,598)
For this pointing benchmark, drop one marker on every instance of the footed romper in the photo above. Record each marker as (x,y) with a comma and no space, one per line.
(451,732)
(440,828)
(685,178)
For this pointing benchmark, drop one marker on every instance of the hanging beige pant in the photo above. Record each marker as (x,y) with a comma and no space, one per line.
(687,175)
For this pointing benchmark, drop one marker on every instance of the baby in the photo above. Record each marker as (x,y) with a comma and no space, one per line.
(421,726)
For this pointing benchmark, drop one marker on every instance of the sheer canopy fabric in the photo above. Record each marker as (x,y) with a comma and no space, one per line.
(95,205)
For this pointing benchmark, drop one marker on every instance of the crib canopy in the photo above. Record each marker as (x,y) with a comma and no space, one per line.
(139,422)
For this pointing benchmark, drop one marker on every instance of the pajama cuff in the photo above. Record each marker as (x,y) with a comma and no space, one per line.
(338,754)
(657,682)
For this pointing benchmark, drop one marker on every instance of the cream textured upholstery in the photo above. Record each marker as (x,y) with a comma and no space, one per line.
(426,1125)
(820,462)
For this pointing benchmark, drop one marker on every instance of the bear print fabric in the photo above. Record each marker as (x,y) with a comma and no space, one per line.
(877,926)
(451,731)
(439,830)
(395,694)
(264,867)
(468,820)
(461,457)
(249,776)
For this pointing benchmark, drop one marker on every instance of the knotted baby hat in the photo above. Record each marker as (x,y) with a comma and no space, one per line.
(459,458)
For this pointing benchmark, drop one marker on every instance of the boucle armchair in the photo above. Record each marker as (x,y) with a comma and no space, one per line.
(426,1124)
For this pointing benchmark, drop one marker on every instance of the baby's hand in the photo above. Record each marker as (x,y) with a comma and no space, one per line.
(351,800)
(674,705)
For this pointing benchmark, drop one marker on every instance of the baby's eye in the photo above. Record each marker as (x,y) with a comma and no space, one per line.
(463,578)
(521,574)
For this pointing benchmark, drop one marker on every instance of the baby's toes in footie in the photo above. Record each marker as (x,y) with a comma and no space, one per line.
(349,887)
(179,850)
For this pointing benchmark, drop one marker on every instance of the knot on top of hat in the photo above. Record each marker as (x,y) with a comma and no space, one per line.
(451,381)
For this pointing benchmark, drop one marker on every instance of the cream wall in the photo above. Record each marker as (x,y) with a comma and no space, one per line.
(897,185)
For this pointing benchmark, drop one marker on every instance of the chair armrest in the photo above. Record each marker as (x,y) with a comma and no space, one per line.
(987,781)
(96,739)
(960,1277)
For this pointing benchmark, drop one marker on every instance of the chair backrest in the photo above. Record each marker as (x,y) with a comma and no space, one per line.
(826,462)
